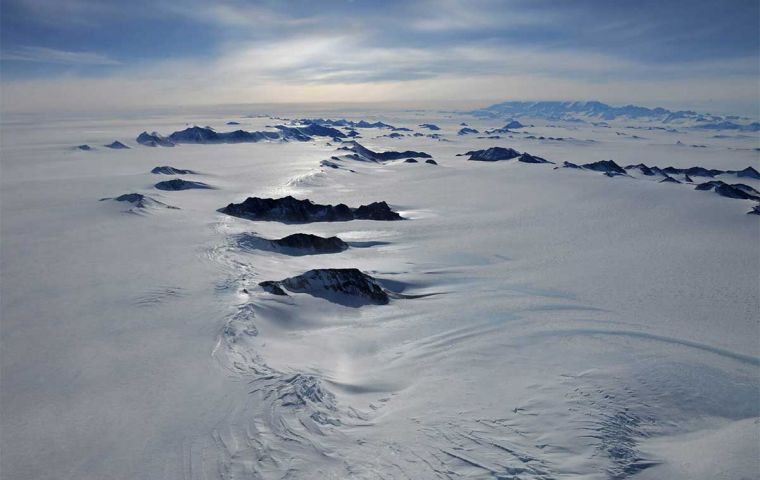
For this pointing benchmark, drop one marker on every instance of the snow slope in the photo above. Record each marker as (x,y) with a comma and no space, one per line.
(547,323)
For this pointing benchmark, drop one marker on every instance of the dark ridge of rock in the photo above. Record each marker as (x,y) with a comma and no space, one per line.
(401,129)
(201,135)
(345,286)
(376,211)
(709,185)
(328,163)
(180,184)
(748,172)
(196,135)
(311,243)
(85,148)
(207,135)
(366,154)
(687,178)
(167,170)
(352,134)
(693,171)
(645,170)
(570,165)
(273,288)
(292,133)
(528,158)
(736,190)
(430,126)
(513,125)
(395,135)
(431,161)
(467,131)
(292,210)
(755,210)
(366,124)
(314,130)
(605,166)
(233,123)
(154,140)
(346,123)
(117,145)
(410,160)
(669,179)
(493,154)
(462,124)
(139,201)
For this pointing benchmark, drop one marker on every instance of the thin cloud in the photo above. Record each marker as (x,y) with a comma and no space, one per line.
(51,55)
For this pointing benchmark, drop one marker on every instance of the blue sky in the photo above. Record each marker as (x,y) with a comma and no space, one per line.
(63,53)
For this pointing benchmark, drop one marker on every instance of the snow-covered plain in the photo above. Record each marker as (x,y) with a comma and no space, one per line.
(568,325)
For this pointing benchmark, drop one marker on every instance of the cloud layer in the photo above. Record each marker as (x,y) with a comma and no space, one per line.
(191,52)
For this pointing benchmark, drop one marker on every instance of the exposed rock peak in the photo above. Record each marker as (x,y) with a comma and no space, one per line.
(180,184)
(365,154)
(292,210)
(346,286)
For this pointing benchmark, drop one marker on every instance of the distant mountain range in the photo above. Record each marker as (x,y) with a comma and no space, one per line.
(598,111)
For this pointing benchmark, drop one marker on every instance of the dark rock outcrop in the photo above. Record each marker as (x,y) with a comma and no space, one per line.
(85,148)
(605,166)
(273,287)
(709,185)
(154,140)
(167,170)
(755,210)
(205,135)
(310,243)
(493,154)
(365,154)
(528,158)
(233,123)
(179,184)
(748,172)
(313,130)
(376,211)
(645,170)
(431,161)
(693,171)
(292,210)
(570,165)
(140,201)
(467,131)
(736,190)
(117,145)
(345,286)
(410,160)
(669,179)
(348,123)
(430,126)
